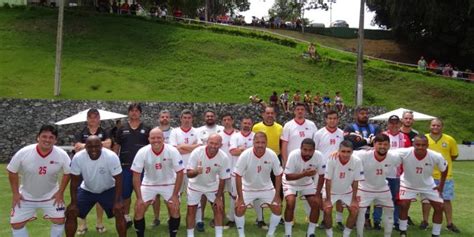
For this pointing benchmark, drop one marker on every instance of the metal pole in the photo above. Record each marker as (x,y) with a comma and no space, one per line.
(330,13)
(59,50)
(302,16)
(206,19)
(360,56)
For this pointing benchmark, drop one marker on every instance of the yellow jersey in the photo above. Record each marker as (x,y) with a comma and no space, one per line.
(273,134)
(447,146)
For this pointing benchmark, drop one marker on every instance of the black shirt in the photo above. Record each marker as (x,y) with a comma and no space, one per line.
(85,133)
(412,134)
(365,131)
(130,141)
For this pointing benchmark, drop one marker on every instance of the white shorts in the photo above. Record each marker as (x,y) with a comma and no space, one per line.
(149,192)
(345,198)
(381,199)
(266,197)
(410,194)
(194,196)
(302,190)
(28,209)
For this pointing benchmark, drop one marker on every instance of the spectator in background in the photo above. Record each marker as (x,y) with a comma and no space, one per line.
(312,51)
(274,100)
(308,101)
(422,64)
(296,98)
(284,101)
(447,70)
(326,101)
(433,65)
(125,8)
(317,101)
(338,102)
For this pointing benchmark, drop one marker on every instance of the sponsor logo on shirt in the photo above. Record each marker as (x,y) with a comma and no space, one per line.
(428,164)
(444,144)
(362,172)
(126,131)
(142,131)
(102,170)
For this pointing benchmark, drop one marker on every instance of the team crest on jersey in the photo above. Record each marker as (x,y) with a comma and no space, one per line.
(180,162)
(350,169)
(227,170)
(444,144)
(142,131)
(324,166)
(101,170)
(100,135)
(428,164)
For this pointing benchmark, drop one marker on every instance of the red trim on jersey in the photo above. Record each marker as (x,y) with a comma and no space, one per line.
(256,154)
(375,157)
(232,132)
(208,156)
(199,191)
(160,151)
(241,132)
(182,129)
(41,153)
(329,130)
(367,191)
(305,160)
(157,185)
(259,190)
(342,163)
(419,158)
(30,219)
(296,121)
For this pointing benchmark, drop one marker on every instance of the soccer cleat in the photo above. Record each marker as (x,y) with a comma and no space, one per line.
(322,226)
(340,226)
(311,235)
(403,233)
(100,229)
(410,222)
(82,231)
(262,225)
(200,226)
(377,226)
(230,224)
(453,228)
(396,227)
(434,235)
(156,222)
(424,225)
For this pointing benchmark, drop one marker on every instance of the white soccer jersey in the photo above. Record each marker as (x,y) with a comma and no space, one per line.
(205,131)
(342,175)
(375,171)
(417,173)
(226,141)
(213,169)
(179,136)
(97,175)
(328,142)
(160,168)
(296,164)
(166,135)
(294,133)
(397,141)
(39,174)
(255,171)
(240,140)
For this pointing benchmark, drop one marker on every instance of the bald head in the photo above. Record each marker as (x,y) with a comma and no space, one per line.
(214,142)
(156,139)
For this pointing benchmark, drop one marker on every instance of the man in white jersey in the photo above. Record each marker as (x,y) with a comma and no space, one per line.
(304,165)
(345,172)
(39,166)
(376,164)
(164,120)
(418,164)
(163,167)
(207,170)
(96,177)
(253,181)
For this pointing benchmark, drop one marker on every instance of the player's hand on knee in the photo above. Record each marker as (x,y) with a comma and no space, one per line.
(276,200)
(58,199)
(16,199)
(218,204)
(327,204)
(174,203)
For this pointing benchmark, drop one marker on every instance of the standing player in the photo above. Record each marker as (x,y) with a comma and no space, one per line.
(253,182)
(407,125)
(418,165)
(93,128)
(210,127)
(345,172)
(163,175)
(100,170)
(207,170)
(446,145)
(39,166)
(377,164)
(304,165)
(164,121)
(132,136)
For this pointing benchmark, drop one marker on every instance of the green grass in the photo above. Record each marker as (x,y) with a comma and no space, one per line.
(123,58)
(463,214)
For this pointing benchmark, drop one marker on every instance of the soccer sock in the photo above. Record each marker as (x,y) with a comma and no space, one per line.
(387,221)
(307,208)
(231,212)
(23,232)
(329,232)
(239,223)
(57,230)
(311,228)
(361,221)
(127,218)
(274,221)
(190,232)
(288,228)
(258,209)
(347,232)
(140,227)
(173,226)
(436,229)
(403,225)
(199,214)
(338,216)
(219,231)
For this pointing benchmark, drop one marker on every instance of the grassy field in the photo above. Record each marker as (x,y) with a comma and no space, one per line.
(123,58)
(462,205)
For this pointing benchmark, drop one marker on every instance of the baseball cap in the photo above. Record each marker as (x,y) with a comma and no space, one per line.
(393,118)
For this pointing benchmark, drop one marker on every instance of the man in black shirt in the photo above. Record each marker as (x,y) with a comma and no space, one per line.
(132,136)
(407,123)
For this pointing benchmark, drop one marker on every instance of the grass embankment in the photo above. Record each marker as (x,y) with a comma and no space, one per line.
(123,58)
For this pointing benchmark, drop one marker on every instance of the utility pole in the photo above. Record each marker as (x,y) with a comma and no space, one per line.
(330,11)
(206,19)
(360,57)
(59,49)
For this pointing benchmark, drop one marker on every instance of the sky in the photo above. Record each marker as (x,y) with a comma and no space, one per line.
(347,10)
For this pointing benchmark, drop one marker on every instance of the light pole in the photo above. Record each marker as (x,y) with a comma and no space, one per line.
(59,49)
(360,56)
(330,11)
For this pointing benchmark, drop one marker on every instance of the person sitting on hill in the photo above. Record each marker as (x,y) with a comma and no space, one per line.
(422,64)
(326,101)
(312,52)
(317,101)
(274,100)
(296,98)
(125,8)
(254,99)
(338,102)
(308,101)
(284,101)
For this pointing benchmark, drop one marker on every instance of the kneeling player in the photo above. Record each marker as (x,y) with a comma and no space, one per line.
(345,171)
(304,166)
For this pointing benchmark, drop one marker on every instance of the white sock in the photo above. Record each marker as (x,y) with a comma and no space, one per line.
(231,212)
(387,221)
(361,221)
(199,214)
(23,232)
(240,223)
(403,225)
(311,228)
(436,229)
(258,209)
(307,208)
(338,216)
(329,232)
(274,221)
(347,232)
(57,230)
(190,232)
(219,231)
(127,218)
(288,228)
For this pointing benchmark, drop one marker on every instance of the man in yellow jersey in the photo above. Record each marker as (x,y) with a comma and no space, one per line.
(447,146)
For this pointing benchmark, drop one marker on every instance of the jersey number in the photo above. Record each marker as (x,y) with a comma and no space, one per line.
(419,170)
(259,168)
(378,171)
(42,170)
(332,141)
(302,134)
(158,166)
(342,175)
(208,170)
(186,140)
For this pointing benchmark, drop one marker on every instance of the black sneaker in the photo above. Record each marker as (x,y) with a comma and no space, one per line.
(377,226)
(200,226)
(311,235)
(396,227)
(156,222)
(434,235)
(129,224)
(453,228)
(410,222)
(340,226)
(424,225)
(367,225)
(230,224)
(322,226)
(262,225)
(403,233)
